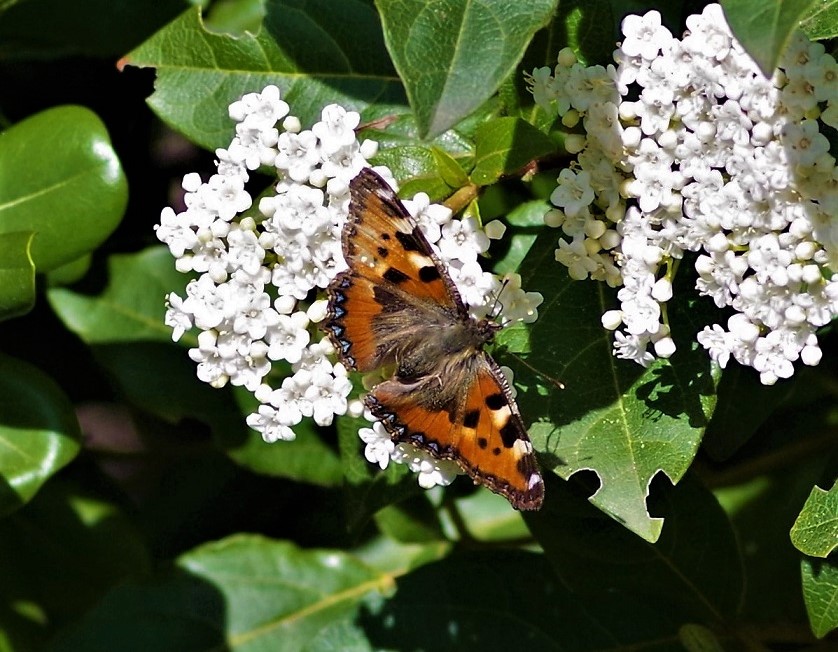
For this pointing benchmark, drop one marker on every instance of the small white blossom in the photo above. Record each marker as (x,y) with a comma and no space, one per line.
(379,447)
(716,160)
(261,278)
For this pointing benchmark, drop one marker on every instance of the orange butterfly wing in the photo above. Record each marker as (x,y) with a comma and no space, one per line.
(397,305)
(481,430)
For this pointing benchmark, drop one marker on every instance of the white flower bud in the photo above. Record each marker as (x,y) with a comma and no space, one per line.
(285,305)
(662,290)
(664,347)
(495,229)
(611,319)
(292,124)
(317,310)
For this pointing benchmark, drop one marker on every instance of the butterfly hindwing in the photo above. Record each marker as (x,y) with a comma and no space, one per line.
(479,427)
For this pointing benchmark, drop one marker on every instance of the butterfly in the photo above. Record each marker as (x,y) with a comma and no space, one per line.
(397,307)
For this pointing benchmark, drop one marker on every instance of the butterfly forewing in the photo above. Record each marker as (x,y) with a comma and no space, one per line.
(391,268)
(396,304)
(383,243)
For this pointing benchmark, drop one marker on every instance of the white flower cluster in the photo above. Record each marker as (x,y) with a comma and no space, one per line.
(262,271)
(708,156)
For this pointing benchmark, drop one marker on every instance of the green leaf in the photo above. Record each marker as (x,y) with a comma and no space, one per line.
(694,568)
(243,593)
(504,146)
(235,16)
(764,28)
(625,423)
(820,592)
(821,21)
(410,521)
(70,272)
(317,52)
(452,55)
(61,179)
(815,532)
(17,274)
(131,307)
(449,169)
(39,433)
(486,517)
(67,533)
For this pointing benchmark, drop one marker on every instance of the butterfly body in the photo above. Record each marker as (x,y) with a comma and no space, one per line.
(396,306)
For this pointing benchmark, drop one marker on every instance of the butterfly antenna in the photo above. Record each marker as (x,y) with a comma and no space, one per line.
(492,313)
(554,381)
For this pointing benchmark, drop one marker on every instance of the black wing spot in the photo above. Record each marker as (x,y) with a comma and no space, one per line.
(383,252)
(496,451)
(428,273)
(509,434)
(482,442)
(471,419)
(395,276)
(495,401)
(408,241)
(385,236)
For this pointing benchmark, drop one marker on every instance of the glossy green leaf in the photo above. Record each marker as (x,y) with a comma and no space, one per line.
(815,532)
(39,433)
(70,272)
(67,533)
(336,55)
(505,146)
(820,592)
(131,307)
(245,593)
(615,418)
(71,191)
(764,28)
(248,593)
(821,21)
(17,274)
(694,567)
(452,55)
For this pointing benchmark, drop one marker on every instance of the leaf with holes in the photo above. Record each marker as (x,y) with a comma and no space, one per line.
(625,423)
